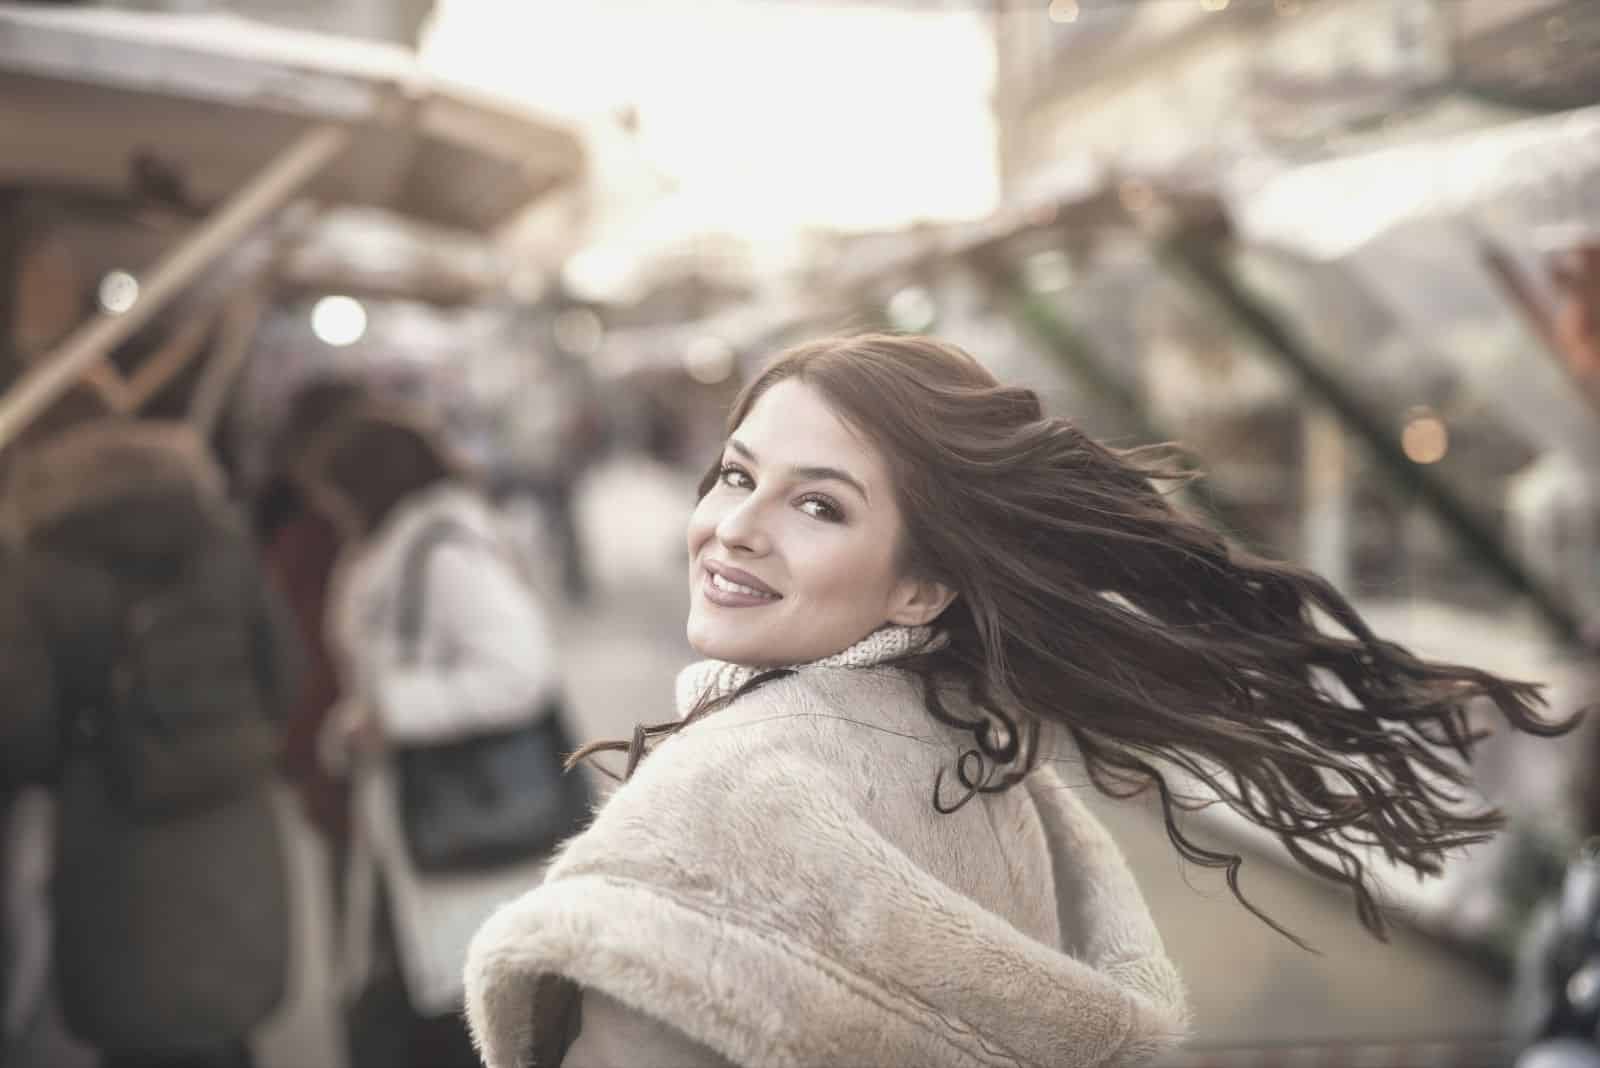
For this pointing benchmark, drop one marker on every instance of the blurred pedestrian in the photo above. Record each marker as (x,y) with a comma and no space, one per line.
(917,595)
(552,432)
(300,545)
(146,689)
(441,643)
(32,1031)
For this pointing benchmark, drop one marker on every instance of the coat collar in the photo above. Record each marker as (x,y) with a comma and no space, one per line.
(709,680)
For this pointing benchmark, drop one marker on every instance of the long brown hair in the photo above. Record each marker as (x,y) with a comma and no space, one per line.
(1087,602)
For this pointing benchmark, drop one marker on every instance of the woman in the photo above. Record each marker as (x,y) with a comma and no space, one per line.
(916,594)
(422,542)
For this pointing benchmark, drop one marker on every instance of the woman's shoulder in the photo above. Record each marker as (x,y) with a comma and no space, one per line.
(447,515)
(448,506)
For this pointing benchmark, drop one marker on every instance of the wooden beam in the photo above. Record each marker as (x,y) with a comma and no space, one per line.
(256,201)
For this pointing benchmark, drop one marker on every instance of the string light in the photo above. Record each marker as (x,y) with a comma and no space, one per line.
(338,321)
(1063,11)
(1425,438)
(709,359)
(1047,271)
(119,291)
(912,310)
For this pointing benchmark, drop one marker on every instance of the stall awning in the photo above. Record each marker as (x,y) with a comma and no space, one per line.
(1328,210)
(202,102)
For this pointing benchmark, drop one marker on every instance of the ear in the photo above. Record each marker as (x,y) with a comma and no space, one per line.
(915,602)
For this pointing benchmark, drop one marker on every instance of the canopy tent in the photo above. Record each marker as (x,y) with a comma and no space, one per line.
(214,99)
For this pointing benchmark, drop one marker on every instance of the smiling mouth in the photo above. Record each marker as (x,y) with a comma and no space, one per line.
(726,593)
(727,585)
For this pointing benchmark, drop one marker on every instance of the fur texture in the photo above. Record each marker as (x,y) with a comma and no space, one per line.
(101,461)
(775,884)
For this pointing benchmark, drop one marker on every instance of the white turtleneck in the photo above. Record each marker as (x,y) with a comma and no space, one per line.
(712,679)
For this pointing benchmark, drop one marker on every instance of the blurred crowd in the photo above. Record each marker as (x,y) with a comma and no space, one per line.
(181,661)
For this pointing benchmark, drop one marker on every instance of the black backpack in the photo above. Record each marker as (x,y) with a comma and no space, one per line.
(185,722)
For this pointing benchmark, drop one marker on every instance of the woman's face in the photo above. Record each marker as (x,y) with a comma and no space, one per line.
(792,554)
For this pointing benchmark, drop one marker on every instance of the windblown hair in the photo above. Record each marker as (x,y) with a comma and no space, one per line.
(1087,602)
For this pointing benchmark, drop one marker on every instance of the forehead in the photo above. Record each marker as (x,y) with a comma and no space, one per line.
(795,423)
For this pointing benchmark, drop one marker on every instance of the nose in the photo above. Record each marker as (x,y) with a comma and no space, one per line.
(743,528)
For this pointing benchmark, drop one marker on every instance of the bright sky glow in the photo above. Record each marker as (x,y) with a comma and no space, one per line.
(771,114)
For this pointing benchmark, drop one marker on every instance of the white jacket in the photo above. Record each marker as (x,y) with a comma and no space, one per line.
(485,658)
(774,887)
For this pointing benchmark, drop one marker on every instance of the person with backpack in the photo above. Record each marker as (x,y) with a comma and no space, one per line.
(451,727)
(147,690)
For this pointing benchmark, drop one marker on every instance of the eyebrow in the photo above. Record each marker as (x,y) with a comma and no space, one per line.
(808,472)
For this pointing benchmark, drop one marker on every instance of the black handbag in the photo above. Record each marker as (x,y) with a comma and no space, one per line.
(492,798)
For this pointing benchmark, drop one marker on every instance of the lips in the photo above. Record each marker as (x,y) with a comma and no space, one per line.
(743,578)
(730,587)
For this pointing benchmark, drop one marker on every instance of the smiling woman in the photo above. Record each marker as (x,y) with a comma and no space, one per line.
(903,572)
(793,549)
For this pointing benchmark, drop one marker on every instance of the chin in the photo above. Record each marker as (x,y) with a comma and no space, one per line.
(706,641)
(709,643)
(731,651)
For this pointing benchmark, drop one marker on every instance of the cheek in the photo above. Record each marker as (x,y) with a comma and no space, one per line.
(855,574)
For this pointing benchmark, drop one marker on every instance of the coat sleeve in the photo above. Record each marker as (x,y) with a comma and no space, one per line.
(485,655)
(1100,903)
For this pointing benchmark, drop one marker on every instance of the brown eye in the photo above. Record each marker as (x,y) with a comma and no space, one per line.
(736,477)
(822,508)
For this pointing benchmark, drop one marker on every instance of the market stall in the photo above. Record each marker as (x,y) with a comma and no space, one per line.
(209,128)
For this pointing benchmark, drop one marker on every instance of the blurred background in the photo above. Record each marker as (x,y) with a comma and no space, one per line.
(1347,251)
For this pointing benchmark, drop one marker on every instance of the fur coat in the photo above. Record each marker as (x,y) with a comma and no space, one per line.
(169,934)
(774,886)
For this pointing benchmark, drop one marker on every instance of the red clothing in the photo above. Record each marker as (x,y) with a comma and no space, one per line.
(300,558)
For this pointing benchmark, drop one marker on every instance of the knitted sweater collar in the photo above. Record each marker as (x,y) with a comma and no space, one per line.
(713,679)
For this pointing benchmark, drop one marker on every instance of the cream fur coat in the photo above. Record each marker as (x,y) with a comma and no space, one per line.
(775,885)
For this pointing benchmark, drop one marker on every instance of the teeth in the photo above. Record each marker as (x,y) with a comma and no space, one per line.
(733,587)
